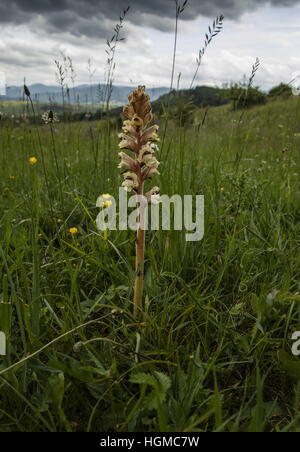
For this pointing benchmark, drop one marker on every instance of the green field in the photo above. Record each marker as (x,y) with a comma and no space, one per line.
(212,349)
(13,109)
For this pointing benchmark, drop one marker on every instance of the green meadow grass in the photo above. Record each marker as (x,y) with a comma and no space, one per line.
(17,108)
(212,349)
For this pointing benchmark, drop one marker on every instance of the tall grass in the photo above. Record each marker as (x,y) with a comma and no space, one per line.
(213,350)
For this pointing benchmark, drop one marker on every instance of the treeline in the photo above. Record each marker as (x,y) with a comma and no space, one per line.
(239,95)
(181,104)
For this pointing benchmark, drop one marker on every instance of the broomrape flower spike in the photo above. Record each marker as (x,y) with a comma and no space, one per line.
(141,141)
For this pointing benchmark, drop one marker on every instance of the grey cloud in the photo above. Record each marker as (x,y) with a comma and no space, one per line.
(96,18)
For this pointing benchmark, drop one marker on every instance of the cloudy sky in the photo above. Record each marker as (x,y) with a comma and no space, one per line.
(33,32)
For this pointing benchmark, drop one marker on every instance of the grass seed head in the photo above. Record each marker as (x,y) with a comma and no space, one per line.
(26,91)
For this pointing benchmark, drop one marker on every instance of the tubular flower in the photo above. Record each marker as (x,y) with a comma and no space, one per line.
(150,161)
(154,147)
(146,156)
(150,135)
(127,142)
(128,128)
(145,150)
(149,172)
(130,181)
(127,162)
(153,197)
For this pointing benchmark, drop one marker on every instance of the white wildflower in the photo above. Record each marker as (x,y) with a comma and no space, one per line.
(49,117)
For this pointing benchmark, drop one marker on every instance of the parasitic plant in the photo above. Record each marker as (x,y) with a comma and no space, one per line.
(141,140)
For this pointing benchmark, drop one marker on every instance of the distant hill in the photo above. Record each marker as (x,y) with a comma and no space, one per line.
(83,94)
(200,96)
(185,100)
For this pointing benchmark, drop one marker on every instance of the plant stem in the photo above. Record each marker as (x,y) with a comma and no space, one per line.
(57,169)
(140,259)
(42,155)
(35,306)
(175,46)
(172,74)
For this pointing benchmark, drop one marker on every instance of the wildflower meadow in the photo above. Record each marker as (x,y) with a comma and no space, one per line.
(119,329)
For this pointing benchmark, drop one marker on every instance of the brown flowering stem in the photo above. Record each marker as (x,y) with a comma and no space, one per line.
(139,140)
(140,259)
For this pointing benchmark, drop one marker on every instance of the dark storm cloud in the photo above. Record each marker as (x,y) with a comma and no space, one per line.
(95,17)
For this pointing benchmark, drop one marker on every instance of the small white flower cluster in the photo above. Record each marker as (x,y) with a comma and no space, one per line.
(49,117)
(146,156)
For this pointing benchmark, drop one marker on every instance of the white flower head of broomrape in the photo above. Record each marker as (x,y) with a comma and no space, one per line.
(49,117)
(139,140)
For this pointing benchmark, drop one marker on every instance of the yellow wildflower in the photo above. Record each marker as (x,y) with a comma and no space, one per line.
(33,161)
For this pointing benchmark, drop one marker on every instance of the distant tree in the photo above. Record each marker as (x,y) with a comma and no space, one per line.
(183,103)
(282,90)
(206,96)
(243,96)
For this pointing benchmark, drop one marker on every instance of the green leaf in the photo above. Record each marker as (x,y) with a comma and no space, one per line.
(143,379)
(164,382)
(75,370)
(57,389)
